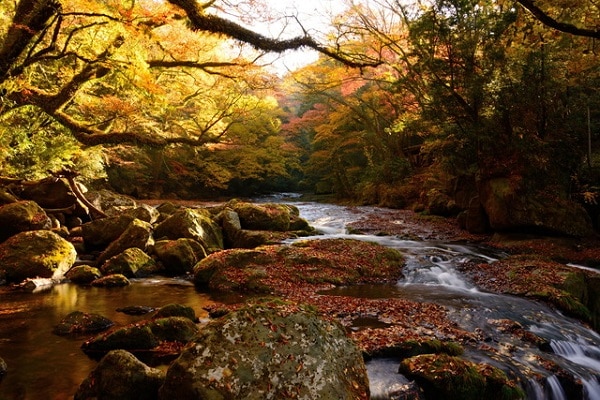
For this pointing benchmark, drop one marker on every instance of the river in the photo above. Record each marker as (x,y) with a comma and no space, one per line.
(43,366)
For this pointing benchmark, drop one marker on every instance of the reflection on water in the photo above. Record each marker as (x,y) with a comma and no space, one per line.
(45,366)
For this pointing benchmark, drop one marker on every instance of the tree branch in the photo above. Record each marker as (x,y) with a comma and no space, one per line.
(547,20)
(201,21)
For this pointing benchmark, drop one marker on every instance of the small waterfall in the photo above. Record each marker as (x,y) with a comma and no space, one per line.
(554,389)
(578,353)
(592,388)
(435,270)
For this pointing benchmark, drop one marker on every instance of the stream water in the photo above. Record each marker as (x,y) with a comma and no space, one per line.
(43,366)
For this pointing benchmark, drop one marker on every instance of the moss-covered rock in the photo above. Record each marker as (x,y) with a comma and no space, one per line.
(80,322)
(510,205)
(318,262)
(131,337)
(35,254)
(176,310)
(447,377)
(138,234)
(83,274)
(265,217)
(173,329)
(268,350)
(194,224)
(132,262)
(120,375)
(22,216)
(178,257)
(101,232)
(113,280)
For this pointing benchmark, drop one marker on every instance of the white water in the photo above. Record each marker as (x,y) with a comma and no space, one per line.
(430,275)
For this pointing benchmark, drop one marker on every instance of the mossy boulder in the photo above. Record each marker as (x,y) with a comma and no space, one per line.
(36,254)
(131,337)
(267,269)
(178,257)
(268,350)
(132,262)
(113,280)
(101,232)
(138,234)
(173,329)
(265,217)
(510,206)
(145,337)
(194,224)
(176,310)
(80,322)
(22,216)
(83,274)
(442,376)
(120,375)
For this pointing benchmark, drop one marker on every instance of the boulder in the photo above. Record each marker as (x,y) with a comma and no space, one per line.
(262,217)
(142,211)
(105,199)
(132,262)
(22,216)
(83,274)
(510,208)
(50,193)
(80,322)
(101,232)
(114,280)
(192,224)
(138,234)
(119,375)
(33,254)
(442,376)
(178,257)
(268,350)
(176,310)
(145,336)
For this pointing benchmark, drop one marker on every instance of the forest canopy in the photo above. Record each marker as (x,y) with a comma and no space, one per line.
(178,97)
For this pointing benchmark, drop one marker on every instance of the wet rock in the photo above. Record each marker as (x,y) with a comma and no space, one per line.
(192,224)
(447,377)
(132,262)
(131,337)
(178,257)
(136,310)
(119,375)
(115,280)
(270,350)
(83,274)
(22,216)
(138,234)
(150,336)
(80,322)
(176,310)
(35,254)
(173,329)
(101,232)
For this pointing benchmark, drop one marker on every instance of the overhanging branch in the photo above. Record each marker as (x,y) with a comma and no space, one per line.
(547,20)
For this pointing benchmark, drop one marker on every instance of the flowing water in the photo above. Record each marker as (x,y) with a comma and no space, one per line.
(43,366)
